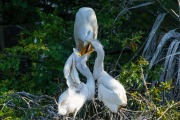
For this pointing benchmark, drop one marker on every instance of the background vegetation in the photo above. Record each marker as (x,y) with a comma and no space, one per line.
(31,77)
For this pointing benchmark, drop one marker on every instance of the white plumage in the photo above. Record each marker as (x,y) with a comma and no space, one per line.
(85,22)
(85,71)
(110,91)
(76,95)
(71,101)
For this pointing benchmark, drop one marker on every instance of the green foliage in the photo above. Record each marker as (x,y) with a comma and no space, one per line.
(38,60)
(155,100)
(131,75)
(133,42)
(5,112)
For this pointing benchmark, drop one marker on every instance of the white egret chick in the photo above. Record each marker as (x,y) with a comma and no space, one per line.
(110,91)
(76,95)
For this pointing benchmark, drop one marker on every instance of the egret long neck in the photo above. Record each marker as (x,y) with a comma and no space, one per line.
(85,71)
(99,62)
(90,83)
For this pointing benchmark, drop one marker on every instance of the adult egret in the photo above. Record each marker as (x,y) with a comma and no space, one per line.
(85,21)
(76,95)
(110,91)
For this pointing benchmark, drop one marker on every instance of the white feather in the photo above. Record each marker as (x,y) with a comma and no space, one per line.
(75,96)
(71,101)
(85,22)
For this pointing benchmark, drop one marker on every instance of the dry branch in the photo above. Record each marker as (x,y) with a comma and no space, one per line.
(31,104)
(125,8)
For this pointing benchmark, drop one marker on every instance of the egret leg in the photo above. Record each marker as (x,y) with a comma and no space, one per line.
(74,115)
(111,116)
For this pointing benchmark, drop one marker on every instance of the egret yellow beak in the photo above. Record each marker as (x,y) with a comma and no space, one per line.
(86,49)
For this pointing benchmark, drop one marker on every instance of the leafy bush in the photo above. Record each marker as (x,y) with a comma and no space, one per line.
(36,64)
(153,101)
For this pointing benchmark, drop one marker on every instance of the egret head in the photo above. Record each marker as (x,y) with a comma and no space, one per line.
(95,43)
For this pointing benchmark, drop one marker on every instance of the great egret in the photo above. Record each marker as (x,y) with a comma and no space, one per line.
(85,21)
(76,95)
(110,91)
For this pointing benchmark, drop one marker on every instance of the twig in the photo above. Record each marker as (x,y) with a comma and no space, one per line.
(144,82)
(46,103)
(95,108)
(168,109)
(177,53)
(27,102)
(5,104)
(124,109)
(126,9)
(118,58)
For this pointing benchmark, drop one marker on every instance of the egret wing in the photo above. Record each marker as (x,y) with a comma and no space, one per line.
(108,97)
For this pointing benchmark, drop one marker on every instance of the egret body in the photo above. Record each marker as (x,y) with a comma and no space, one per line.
(110,91)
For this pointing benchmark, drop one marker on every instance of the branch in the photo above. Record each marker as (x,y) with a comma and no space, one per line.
(177,103)
(30,104)
(125,9)
(144,81)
